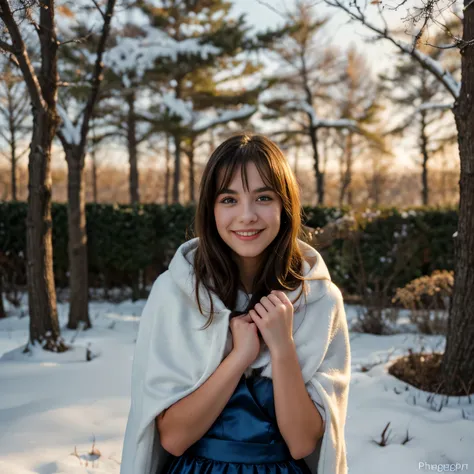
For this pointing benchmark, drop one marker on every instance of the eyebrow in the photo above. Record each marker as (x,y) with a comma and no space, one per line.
(258,190)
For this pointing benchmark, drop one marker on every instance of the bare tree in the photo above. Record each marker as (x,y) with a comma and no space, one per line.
(302,85)
(14,113)
(42,89)
(74,140)
(360,103)
(457,367)
(421,98)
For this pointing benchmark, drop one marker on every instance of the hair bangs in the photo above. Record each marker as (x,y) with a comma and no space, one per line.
(237,160)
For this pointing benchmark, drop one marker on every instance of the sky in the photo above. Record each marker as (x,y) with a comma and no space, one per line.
(343,33)
(380,54)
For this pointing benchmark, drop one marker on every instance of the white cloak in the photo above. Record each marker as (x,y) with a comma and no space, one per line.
(172,358)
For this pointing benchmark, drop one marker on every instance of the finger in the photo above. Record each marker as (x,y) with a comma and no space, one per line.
(267,303)
(281,296)
(260,309)
(277,302)
(255,317)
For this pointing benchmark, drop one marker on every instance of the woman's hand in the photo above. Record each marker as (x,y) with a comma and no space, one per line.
(245,338)
(274,319)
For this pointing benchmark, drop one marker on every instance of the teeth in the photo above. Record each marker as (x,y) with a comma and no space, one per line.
(247,234)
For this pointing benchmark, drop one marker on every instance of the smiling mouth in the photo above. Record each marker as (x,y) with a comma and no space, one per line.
(248,237)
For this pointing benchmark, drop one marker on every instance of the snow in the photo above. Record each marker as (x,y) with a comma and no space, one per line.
(200,121)
(136,55)
(208,120)
(71,132)
(53,406)
(453,86)
(294,101)
(304,106)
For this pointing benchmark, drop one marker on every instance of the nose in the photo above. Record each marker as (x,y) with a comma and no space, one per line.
(248,213)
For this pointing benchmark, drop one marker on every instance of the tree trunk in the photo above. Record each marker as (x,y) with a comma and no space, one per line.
(11,124)
(424,154)
(458,359)
(347,173)
(94,175)
(44,325)
(77,243)
(317,172)
(168,169)
(3,314)
(13,169)
(177,167)
(177,146)
(191,172)
(350,149)
(132,148)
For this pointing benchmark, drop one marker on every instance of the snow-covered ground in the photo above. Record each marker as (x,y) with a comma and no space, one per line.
(53,406)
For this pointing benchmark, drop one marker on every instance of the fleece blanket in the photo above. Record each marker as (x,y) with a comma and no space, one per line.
(173,358)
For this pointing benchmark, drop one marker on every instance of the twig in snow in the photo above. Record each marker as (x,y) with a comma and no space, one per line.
(384,437)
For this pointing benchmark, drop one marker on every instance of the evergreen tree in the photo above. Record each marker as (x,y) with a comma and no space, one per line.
(184,50)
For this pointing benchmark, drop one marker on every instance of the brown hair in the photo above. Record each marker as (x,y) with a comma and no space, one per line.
(281,266)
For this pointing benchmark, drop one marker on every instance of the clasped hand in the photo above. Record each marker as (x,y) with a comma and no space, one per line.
(273,317)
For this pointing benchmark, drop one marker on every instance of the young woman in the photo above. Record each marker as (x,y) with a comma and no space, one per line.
(262,386)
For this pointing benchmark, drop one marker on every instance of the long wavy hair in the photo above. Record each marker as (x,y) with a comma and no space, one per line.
(281,265)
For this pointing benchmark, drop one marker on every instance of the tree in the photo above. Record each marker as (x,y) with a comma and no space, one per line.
(42,86)
(73,136)
(126,82)
(457,367)
(182,48)
(14,114)
(302,83)
(422,99)
(359,102)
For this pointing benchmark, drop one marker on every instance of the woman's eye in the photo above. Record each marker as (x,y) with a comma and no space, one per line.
(225,199)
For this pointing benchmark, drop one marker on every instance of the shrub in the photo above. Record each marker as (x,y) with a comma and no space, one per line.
(428,299)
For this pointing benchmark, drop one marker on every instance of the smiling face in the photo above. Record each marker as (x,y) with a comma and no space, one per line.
(239,209)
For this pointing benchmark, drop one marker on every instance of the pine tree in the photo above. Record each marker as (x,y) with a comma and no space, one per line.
(184,50)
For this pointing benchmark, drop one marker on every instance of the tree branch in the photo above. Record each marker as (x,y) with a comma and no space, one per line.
(62,138)
(425,61)
(100,10)
(468,5)
(98,69)
(6,47)
(21,54)
(78,40)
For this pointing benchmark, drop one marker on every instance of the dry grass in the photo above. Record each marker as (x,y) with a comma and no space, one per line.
(422,370)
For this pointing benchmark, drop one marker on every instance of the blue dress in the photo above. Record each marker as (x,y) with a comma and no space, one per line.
(244,439)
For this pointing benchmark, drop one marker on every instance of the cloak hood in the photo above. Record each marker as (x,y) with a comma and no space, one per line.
(182,271)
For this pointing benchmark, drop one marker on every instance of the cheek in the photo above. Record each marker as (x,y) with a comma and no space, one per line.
(275,214)
(221,218)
